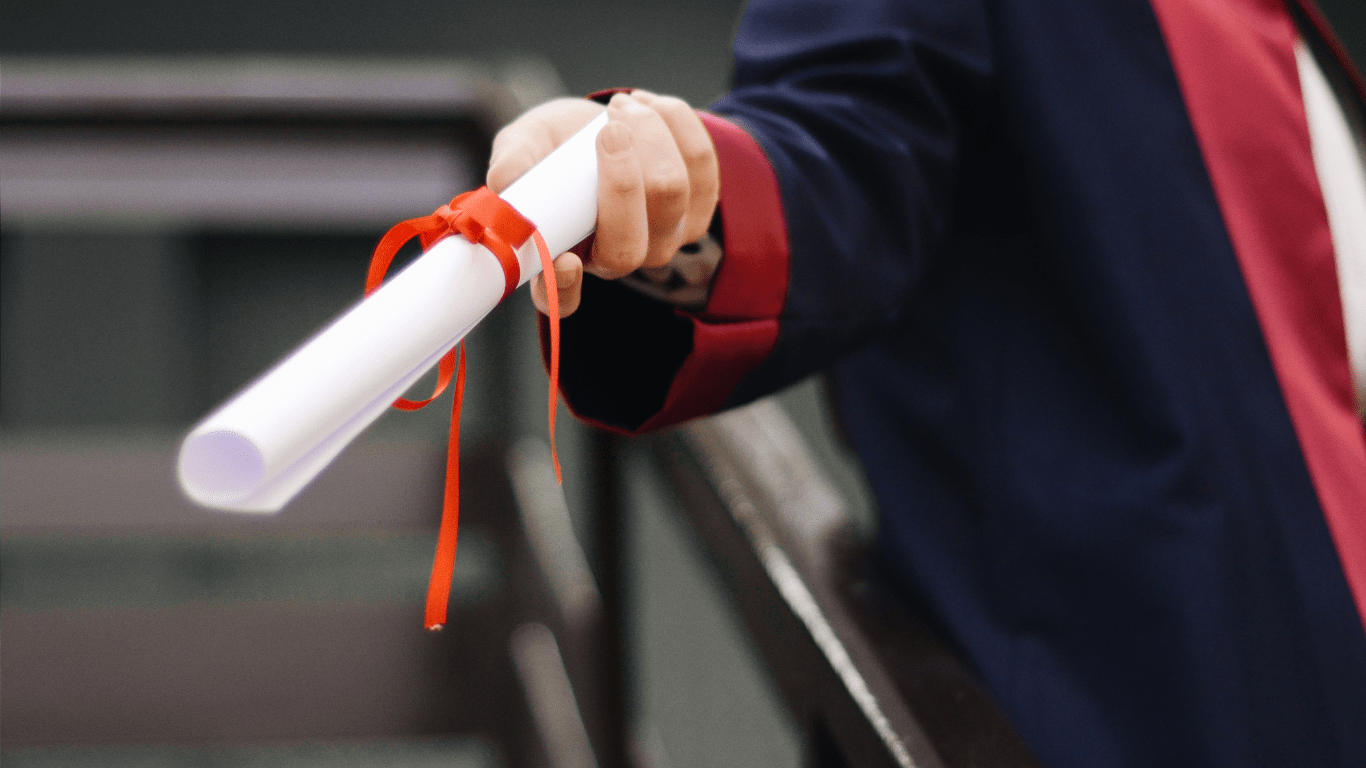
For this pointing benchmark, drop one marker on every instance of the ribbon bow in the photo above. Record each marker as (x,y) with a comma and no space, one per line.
(486,219)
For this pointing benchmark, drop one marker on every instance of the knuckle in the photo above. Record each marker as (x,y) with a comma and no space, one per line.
(661,254)
(698,154)
(622,186)
(672,105)
(672,183)
(608,271)
(612,263)
(669,190)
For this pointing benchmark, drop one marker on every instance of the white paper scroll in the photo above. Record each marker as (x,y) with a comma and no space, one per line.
(263,446)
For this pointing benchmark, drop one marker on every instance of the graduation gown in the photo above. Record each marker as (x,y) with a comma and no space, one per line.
(1067,268)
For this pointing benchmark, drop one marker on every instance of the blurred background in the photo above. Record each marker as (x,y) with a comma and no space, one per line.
(186,192)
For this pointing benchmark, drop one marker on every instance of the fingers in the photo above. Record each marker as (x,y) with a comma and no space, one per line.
(657,185)
(699,158)
(569,282)
(664,173)
(528,139)
(623,229)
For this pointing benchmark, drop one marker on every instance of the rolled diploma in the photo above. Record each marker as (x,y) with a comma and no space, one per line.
(258,450)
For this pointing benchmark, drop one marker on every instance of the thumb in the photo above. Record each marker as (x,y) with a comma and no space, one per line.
(569,282)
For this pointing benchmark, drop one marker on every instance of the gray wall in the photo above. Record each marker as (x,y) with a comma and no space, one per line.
(673,47)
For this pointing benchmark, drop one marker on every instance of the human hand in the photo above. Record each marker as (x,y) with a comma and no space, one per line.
(657,181)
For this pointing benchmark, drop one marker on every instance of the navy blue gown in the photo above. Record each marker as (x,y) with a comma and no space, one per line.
(1066,267)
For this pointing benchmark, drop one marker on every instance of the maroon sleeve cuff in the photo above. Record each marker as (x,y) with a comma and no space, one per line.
(751,283)
(741,321)
(606,94)
(736,330)
(739,326)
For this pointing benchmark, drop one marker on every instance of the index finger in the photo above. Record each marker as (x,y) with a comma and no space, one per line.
(528,139)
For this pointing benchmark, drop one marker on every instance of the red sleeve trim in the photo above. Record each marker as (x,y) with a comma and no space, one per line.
(721,356)
(752,281)
(739,326)
(606,94)
(1235,60)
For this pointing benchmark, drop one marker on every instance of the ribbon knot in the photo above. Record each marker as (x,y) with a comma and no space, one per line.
(460,221)
(483,218)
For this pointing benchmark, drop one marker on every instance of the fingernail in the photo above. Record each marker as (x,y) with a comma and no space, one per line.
(616,139)
(566,278)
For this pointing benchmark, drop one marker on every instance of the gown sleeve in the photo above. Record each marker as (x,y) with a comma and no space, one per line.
(838,147)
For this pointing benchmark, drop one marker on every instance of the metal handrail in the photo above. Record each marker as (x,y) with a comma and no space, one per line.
(854,665)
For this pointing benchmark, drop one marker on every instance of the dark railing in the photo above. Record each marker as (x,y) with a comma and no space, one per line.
(865,679)
(868,683)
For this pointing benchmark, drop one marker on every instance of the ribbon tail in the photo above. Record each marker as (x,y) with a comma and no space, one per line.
(390,244)
(483,218)
(443,378)
(552,300)
(443,566)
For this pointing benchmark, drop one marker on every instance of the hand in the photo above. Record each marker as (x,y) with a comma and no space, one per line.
(657,181)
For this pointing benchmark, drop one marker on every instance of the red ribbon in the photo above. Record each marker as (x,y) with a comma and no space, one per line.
(483,218)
